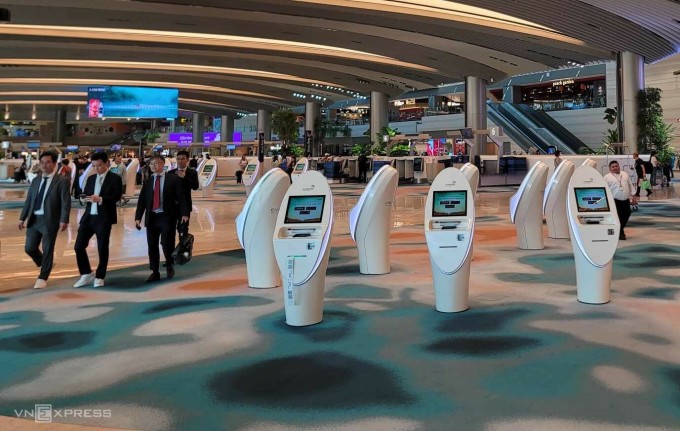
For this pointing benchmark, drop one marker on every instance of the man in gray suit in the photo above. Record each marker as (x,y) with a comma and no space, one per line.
(45,213)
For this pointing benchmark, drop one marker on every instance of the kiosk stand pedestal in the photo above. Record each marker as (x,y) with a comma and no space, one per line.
(131,178)
(301,167)
(302,247)
(525,208)
(594,229)
(471,172)
(555,201)
(255,228)
(370,222)
(206,177)
(449,230)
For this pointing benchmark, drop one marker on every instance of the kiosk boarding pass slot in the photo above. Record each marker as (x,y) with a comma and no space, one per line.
(300,233)
(451,224)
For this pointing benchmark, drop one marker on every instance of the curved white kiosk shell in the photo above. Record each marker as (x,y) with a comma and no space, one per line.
(370,221)
(207,173)
(471,172)
(84,176)
(525,208)
(252,174)
(131,178)
(594,228)
(255,227)
(301,167)
(589,162)
(168,164)
(302,247)
(449,230)
(555,201)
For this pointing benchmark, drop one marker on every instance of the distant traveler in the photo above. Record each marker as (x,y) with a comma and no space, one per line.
(188,177)
(622,188)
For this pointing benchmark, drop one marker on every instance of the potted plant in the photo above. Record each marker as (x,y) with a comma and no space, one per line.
(284,123)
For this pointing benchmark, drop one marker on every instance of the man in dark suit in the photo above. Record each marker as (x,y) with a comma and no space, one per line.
(188,177)
(161,203)
(46,211)
(102,191)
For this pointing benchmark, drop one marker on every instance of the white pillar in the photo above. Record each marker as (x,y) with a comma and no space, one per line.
(379,112)
(198,128)
(264,124)
(312,112)
(475,111)
(632,78)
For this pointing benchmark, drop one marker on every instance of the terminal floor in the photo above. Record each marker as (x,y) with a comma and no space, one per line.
(206,352)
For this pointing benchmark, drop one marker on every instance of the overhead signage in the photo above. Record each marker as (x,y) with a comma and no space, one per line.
(561,82)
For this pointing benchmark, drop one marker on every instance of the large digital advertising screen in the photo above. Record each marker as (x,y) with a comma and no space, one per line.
(305,209)
(591,199)
(131,102)
(449,203)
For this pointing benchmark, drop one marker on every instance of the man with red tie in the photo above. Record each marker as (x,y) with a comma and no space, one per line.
(161,203)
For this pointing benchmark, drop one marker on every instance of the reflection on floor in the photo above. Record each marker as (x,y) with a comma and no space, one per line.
(206,352)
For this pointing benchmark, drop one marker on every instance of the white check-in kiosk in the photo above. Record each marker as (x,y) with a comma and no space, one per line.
(590,162)
(594,228)
(449,229)
(526,208)
(370,221)
(301,167)
(84,176)
(206,177)
(168,164)
(555,201)
(302,247)
(131,178)
(252,174)
(255,228)
(471,172)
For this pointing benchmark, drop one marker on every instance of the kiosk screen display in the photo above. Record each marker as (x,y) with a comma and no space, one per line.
(300,167)
(591,199)
(305,209)
(207,169)
(250,168)
(449,204)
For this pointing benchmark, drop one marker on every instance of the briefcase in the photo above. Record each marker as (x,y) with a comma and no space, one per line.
(183,251)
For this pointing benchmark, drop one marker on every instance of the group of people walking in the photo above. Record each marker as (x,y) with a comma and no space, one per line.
(164,204)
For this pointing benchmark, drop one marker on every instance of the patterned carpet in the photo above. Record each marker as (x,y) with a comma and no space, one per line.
(204,352)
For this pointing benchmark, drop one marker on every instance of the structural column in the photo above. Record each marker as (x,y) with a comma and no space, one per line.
(59,126)
(312,112)
(630,80)
(475,111)
(264,124)
(227,128)
(379,112)
(198,128)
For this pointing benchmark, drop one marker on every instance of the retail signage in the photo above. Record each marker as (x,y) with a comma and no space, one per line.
(562,82)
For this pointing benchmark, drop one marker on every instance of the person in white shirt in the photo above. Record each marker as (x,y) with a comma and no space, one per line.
(623,191)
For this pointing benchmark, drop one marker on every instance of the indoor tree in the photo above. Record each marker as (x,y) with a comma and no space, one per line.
(654,134)
(284,123)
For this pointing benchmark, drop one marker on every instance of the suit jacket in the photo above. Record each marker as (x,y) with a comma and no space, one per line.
(174,203)
(111,192)
(57,205)
(189,183)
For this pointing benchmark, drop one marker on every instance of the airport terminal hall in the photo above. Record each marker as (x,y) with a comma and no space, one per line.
(340,215)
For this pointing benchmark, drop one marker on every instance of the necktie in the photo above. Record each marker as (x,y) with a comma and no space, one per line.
(41,195)
(157,193)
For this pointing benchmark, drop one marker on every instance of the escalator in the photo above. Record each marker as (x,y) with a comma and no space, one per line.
(517,127)
(559,131)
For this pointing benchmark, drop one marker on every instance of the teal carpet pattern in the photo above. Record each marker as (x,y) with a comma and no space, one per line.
(205,352)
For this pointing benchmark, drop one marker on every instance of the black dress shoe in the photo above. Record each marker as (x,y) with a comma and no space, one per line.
(171,271)
(622,236)
(155,276)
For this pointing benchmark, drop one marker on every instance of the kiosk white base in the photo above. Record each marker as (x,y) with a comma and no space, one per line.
(592,283)
(304,304)
(209,191)
(451,291)
(374,259)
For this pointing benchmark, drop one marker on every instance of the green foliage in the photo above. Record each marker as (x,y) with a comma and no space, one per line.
(284,124)
(2,154)
(359,149)
(296,151)
(151,136)
(611,137)
(379,149)
(654,134)
(611,114)
(400,150)
(585,150)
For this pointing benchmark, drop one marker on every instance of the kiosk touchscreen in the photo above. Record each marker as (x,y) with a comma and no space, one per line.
(370,221)
(449,229)
(131,178)
(251,174)
(594,228)
(525,208)
(206,177)
(255,227)
(300,167)
(555,201)
(302,247)
(471,172)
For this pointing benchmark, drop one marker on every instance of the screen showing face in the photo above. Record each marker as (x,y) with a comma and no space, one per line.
(591,199)
(449,204)
(300,167)
(305,209)
(251,168)
(207,169)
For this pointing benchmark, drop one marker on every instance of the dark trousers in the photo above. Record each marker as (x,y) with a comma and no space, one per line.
(362,175)
(163,228)
(37,233)
(93,226)
(623,209)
